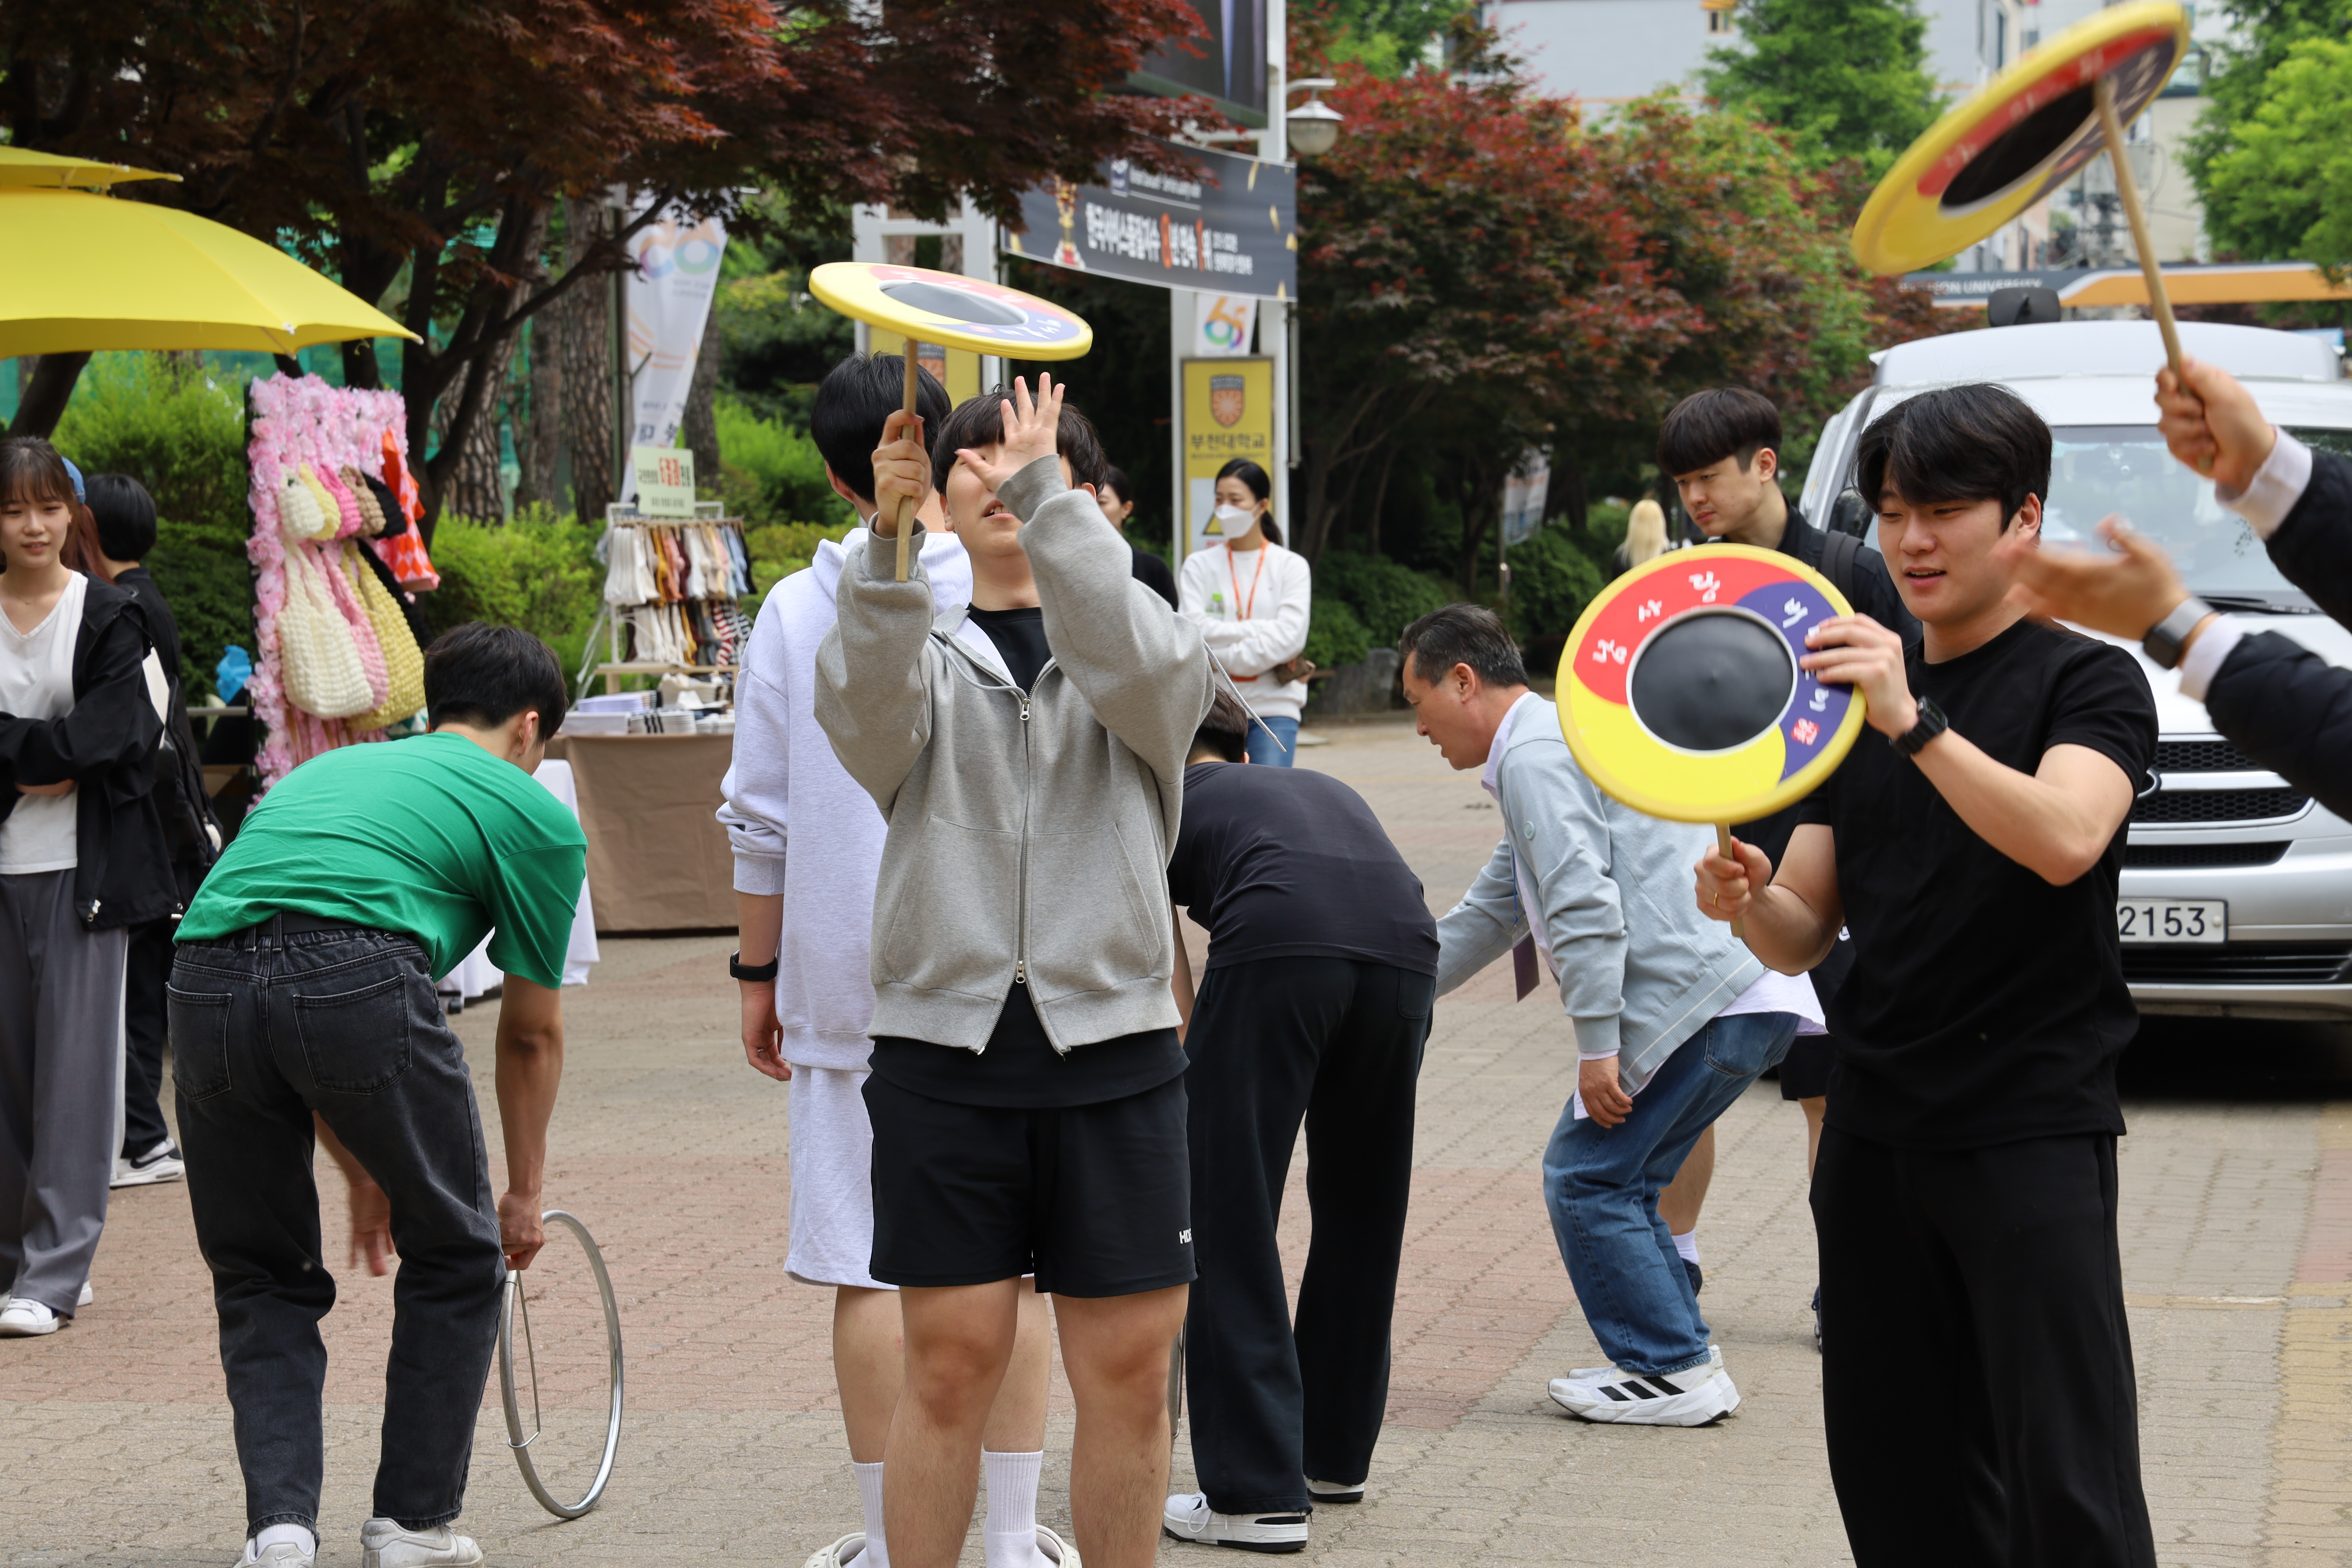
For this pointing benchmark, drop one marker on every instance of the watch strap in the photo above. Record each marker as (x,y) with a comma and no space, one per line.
(1931,724)
(2164,639)
(739,970)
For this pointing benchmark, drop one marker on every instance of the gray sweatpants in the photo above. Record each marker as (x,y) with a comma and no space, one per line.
(61,1086)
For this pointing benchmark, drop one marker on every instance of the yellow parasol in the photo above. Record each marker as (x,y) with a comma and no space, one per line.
(2025,133)
(55,171)
(84,272)
(949,308)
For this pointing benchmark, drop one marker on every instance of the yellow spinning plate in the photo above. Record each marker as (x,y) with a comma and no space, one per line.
(2027,132)
(954,312)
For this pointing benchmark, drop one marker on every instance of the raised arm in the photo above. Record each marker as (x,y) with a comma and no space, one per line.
(873,699)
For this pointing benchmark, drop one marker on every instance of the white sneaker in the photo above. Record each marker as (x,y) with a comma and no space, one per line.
(277,1554)
(1692,1397)
(1056,1549)
(1332,1491)
(1587,1373)
(87,1296)
(383,1544)
(840,1551)
(1189,1517)
(160,1163)
(23,1318)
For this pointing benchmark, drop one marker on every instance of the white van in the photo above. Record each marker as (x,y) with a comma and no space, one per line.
(2237,888)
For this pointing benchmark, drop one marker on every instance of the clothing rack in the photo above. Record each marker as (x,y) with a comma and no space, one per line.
(671,593)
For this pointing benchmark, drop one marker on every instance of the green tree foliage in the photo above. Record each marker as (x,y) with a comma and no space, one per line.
(1846,78)
(1386,37)
(537,570)
(2262,195)
(1385,596)
(1336,634)
(772,471)
(2270,156)
(175,429)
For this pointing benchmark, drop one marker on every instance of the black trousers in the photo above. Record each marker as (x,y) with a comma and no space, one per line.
(1337,1044)
(268,1027)
(1975,1368)
(145,973)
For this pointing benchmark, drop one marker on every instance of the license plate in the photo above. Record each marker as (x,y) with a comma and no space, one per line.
(2172,920)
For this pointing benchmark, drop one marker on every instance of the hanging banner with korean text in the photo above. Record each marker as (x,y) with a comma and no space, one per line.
(1227,223)
(1228,413)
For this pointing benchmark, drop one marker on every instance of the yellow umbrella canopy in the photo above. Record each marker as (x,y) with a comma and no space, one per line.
(56,172)
(83,272)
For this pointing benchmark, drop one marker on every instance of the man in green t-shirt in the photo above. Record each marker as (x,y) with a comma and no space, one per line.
(303,996)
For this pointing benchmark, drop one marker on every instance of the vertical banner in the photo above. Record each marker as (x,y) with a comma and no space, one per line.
(1524,492)
(1222,325)
(1228,412)
(669,295)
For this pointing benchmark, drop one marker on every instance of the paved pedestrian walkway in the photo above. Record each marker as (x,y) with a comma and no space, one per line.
(115,1444)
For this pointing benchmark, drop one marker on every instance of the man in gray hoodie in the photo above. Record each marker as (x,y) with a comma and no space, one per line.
(1671,1018)
(1027,1093)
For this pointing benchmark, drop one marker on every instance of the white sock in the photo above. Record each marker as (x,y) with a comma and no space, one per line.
(869,1493)
(1010,1536)
(1687,1245)
(277,1534)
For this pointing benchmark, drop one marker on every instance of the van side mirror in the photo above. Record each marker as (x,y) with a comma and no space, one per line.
(2022,307)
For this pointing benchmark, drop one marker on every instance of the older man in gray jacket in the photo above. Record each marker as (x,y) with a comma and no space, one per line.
(1027,1092)
(1671,1018)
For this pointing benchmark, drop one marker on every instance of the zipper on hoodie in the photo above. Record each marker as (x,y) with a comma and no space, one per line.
(1028,783)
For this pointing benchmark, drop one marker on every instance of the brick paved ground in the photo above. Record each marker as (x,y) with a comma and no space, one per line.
(115,1444)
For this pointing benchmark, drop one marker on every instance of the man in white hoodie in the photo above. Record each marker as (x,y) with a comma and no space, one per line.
(802,965)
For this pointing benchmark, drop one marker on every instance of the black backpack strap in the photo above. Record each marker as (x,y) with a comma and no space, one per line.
(1839,554)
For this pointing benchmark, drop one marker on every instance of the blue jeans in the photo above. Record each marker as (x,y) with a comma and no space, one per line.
(1602,1185)
(266,1028)
(1264,751)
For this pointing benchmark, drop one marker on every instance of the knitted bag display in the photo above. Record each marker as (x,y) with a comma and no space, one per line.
(347,604)
(347,505)
(371,510)
(330,514)
(403,661)
(322,672)
(298,510)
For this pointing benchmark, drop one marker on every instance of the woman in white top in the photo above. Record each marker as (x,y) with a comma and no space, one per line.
(81,857)
(1250,597)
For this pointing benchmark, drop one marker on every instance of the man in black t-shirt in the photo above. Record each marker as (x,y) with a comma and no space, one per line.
(1976,1372)
(1314,1006)
(1721,447)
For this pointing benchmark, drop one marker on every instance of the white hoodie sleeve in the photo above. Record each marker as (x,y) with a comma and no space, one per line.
(757,811)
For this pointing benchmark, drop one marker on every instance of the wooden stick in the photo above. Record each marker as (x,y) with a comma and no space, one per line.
(2129,190)
(1723,847)
(906,523)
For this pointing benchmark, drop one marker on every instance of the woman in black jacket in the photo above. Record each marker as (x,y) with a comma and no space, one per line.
(81,858)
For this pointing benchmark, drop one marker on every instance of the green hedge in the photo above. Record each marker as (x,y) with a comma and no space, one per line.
(770,472)
(538,571)
(1385,597)
(179,429)
(1336,634)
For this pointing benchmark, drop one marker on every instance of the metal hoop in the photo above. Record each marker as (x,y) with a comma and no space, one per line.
(514,1306)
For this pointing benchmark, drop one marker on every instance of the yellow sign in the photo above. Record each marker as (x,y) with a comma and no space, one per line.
(1228,413)
(958,369)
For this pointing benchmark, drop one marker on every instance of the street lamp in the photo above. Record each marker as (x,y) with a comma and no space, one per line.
(1313,125)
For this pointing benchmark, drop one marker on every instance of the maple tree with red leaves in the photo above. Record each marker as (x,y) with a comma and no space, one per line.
(418,151)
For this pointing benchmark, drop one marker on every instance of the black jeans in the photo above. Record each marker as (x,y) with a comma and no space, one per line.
(266,1028)
(1337,1043)
(144,975)
(1976,1367)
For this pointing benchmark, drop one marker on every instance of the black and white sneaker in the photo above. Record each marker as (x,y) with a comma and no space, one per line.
(160,1163)
(1189,1517)
(1333,1491)
(1692,1397)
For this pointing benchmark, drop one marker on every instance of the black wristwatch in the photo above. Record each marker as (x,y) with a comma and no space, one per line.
(1931,724)
(2162,644)
(739,970)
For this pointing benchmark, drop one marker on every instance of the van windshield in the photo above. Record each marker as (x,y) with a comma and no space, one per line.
(2099,469)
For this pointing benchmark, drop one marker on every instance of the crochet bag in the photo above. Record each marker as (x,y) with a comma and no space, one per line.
(299,516)
(403,661)
(319,662)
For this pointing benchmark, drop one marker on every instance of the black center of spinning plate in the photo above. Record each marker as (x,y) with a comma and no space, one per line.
(954,303)
(1712,682)
(2020,150)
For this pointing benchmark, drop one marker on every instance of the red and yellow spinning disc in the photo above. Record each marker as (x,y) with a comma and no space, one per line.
(2024,134)
(1680,693)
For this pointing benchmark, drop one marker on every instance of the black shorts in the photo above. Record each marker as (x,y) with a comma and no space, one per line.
(1094,1200)
(1805,1071)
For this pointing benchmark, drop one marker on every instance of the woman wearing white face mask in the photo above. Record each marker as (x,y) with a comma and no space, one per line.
(1250,598)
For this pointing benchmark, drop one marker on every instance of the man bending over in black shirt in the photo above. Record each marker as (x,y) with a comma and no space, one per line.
(1314,1006)
(1977,1372)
